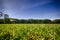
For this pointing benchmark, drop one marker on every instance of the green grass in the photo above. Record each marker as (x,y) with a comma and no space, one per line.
(29,31)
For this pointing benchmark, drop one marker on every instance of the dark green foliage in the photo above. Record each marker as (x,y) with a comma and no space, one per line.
(5,36)
(56,21)
(47,21)
(1,21)
(28,21)
(7,20)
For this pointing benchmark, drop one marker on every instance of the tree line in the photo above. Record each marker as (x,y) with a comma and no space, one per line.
(28,21)
(7,20)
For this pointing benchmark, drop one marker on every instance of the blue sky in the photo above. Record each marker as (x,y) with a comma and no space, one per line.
(35,9)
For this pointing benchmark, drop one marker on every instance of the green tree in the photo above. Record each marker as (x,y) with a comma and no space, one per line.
(56,21)
(1,14)
(46,21)
(1,20)
(6,18)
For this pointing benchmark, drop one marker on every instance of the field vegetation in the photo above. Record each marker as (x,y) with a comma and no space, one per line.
(29,31)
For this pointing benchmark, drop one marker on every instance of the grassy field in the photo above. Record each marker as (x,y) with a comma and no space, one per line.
(29,31)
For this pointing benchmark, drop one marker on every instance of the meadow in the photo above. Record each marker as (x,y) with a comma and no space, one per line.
(29,31)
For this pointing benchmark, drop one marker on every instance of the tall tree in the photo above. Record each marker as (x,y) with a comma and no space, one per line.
(6,15)
(6,18)
(1,14)
(1,20)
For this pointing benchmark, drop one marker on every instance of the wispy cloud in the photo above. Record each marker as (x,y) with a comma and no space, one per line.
(37,4)
(18,8)
(24,4)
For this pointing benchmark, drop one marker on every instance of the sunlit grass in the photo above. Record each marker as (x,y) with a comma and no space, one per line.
(29,31)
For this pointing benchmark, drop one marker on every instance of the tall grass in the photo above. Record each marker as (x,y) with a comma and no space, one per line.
(29,31)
